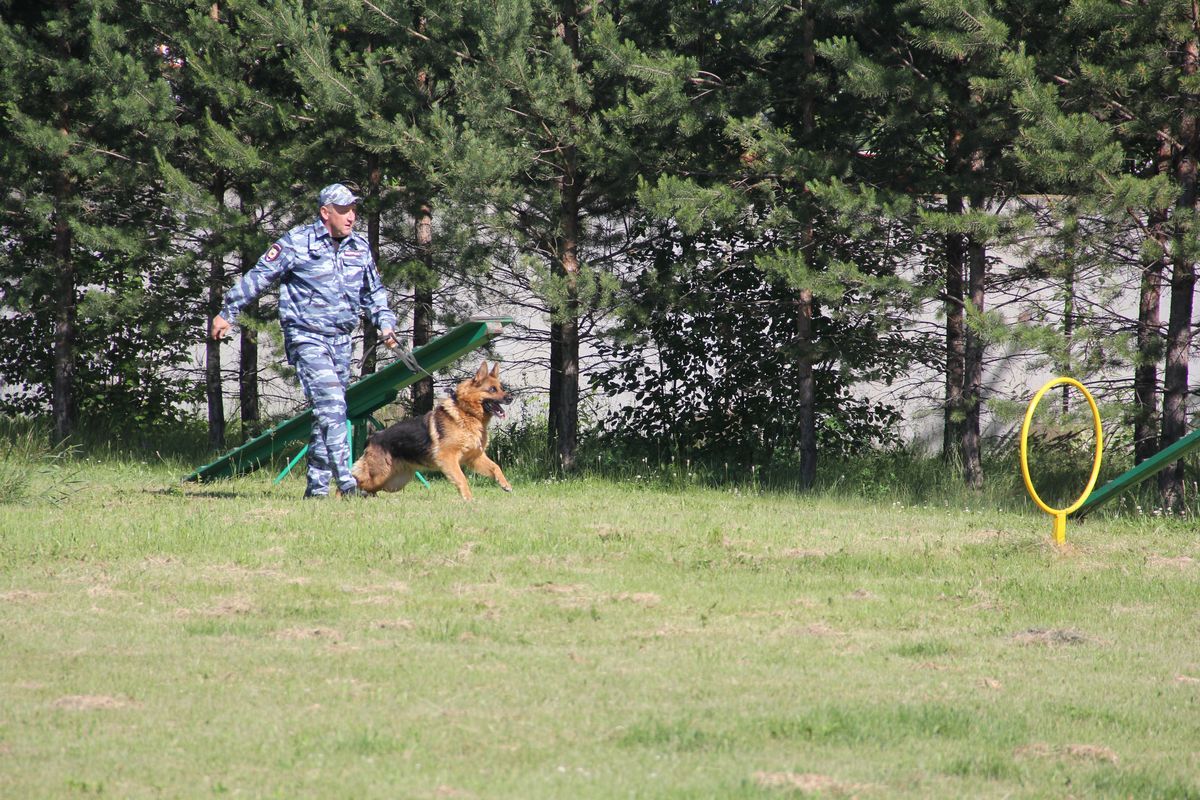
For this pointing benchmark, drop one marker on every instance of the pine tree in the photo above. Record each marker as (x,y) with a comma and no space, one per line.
(556,114)
(944,124)
(236,109)
(1117,122)
(768,169)
(85,280)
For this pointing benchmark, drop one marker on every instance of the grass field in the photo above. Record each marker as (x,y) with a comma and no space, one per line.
(584,639)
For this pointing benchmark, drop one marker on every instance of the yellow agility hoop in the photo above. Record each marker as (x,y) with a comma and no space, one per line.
(1060,514)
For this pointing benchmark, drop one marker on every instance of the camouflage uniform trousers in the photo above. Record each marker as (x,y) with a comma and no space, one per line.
(323,363)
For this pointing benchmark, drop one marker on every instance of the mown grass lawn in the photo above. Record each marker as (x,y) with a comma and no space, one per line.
(585,640)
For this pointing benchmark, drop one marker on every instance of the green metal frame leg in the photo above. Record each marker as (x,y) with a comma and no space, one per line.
(278,478)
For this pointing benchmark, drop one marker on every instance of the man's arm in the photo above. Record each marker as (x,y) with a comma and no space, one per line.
(270,268)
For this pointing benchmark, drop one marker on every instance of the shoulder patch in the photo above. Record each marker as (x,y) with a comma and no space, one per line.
(273,252)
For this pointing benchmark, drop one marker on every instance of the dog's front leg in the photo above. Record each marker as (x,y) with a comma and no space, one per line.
(485,466)
(451,469)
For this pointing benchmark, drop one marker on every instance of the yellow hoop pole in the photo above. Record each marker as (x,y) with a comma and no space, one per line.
(1060,514)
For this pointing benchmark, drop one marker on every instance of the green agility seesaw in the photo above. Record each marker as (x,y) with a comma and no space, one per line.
(1127,480)
(362,399)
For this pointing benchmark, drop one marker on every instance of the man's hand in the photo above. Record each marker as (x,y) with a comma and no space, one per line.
(220,328)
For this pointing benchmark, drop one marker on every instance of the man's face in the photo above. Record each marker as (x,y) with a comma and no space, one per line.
(338,219)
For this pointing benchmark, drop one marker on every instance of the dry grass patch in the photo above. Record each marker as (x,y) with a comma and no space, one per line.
(321,633)
(817,629)
(227,607)
(92,702)
(1177,562)
(1051,637)
(239,572)
(1071,752)
(804,783)
(568,594)
(21,596)
(647,599)
(451,792)
(377,594)
(989,535)
(667,631)
(394,624)
(607,533)
(395,587)
(802,553)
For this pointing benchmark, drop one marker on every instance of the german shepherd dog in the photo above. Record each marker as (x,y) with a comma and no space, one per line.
(454,433)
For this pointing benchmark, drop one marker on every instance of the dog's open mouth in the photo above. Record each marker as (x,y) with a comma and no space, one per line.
(494,408)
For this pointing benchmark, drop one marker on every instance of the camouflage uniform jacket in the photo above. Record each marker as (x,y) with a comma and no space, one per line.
(321,289)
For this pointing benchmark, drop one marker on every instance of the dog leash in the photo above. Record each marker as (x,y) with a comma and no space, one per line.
(408,358)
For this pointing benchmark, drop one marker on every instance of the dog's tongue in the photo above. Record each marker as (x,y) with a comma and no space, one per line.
(497,410)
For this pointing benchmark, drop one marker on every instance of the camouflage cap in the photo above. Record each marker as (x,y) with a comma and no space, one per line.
(335,194)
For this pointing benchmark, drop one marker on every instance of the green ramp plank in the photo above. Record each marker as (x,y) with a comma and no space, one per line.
(362,398)
(1127,480)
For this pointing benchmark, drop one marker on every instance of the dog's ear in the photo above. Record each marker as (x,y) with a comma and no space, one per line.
(481,373)
(496,370)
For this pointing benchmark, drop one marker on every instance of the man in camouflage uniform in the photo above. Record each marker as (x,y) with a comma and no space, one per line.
(326,275)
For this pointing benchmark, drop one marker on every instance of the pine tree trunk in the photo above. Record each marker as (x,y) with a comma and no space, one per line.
(62,399)
(1068,326)
(62,396)
(956,335)
(422,390)
(555,386)
(1183,287)
(212,363)
(972,451)
(564,335)
(248,355)
(370,357)
(1149,347)
(806,389)
(564,365)
(1175,384)
(251,411)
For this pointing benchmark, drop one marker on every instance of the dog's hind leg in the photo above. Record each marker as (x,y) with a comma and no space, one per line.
(485,466)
